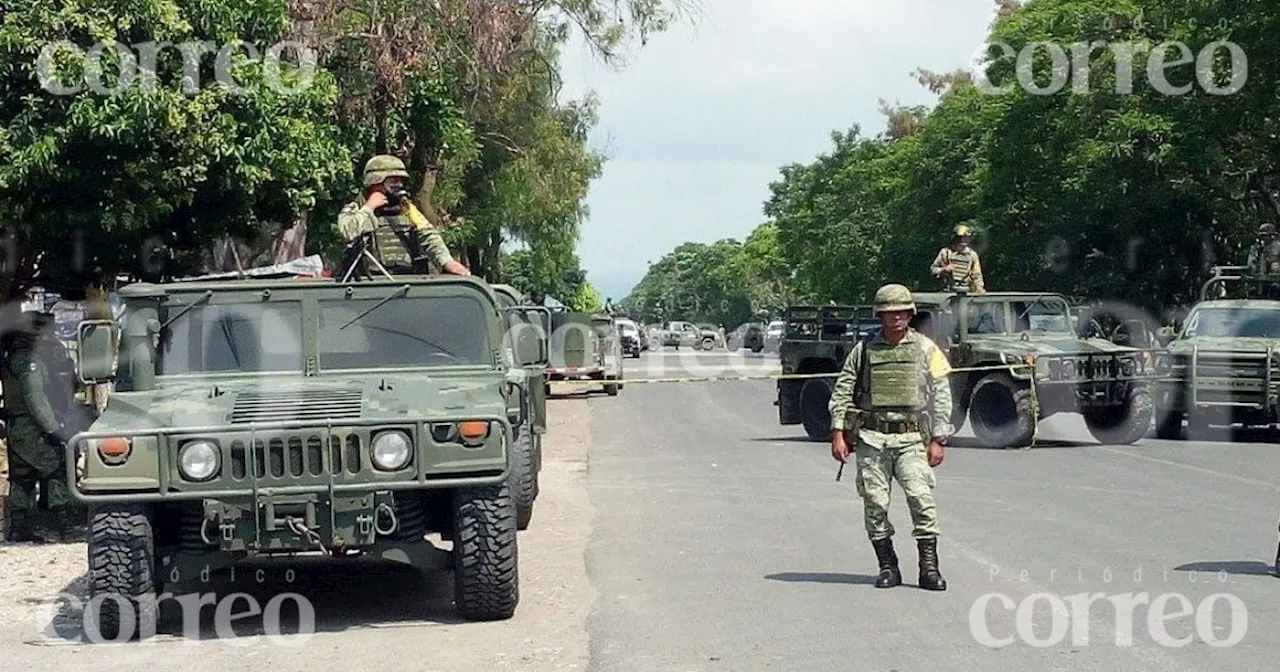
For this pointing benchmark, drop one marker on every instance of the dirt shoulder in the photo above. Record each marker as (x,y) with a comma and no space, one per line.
(365,614)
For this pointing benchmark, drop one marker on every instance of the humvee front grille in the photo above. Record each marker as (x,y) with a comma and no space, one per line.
(295,457)
(1230,378)
(296,405)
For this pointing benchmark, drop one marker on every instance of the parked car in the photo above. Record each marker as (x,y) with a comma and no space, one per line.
(773,336)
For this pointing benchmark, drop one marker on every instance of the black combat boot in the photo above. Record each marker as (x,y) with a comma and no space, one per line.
(930,577)
(889,575)
(1277,568)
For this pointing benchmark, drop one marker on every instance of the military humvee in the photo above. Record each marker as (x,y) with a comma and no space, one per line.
(278,417)
(529,323)
(1010,336)
(585,346)
(1224,360)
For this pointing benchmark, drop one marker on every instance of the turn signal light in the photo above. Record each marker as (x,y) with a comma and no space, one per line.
(473,430)
(114,447)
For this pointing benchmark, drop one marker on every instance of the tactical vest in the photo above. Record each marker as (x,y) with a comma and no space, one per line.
(895,375)
(390,248)
(961,265)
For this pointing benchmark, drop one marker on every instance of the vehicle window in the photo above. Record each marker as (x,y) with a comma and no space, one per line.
(1235,322)
(427,331)
(229,338)
(1043,315)
(986,318)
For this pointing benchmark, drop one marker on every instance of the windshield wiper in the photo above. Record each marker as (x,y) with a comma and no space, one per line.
(205,297)
(403,290)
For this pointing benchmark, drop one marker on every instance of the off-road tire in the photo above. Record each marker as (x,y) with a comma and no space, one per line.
(1001,412)
(1124,425)
(122,563)
(814,414)
(486,578)
(708,343)
(524,477)
(611,388)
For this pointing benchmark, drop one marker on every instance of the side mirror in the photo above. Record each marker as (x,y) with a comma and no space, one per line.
(96,351)
(530,345)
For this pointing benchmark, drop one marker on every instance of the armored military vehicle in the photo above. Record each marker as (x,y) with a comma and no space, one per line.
(278,417)
(585,347)
(527,327)
(1224,358)
(815,340)
(1032,364)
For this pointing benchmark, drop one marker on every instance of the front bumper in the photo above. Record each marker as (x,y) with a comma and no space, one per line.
(1094,379)
(1222,379)
(289,459)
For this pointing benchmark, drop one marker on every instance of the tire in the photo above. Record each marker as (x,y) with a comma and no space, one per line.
(1001,413)
(486,577)
(122,564)
(814,414)
(523,477)
(1124,425)
(611,388)
(708,343)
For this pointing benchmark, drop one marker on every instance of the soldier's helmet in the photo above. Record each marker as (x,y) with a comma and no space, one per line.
(962,230)
(1267,230)
(381,167)
(894,297)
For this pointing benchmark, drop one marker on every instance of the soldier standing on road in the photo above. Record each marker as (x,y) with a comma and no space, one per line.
(392,229)
(958,265)
(890,406)
(33,373)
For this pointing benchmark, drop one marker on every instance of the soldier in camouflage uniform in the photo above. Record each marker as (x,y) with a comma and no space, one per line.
(38,379)
(1264,255)
(894,407)
(391,228)
(958,264)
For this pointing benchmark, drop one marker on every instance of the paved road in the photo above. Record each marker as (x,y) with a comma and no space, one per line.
(721,541)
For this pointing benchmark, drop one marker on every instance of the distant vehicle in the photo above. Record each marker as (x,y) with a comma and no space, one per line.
(773,335)
(749,336)
(632,341)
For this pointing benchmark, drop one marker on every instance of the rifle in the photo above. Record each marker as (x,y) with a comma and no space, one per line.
(859,394)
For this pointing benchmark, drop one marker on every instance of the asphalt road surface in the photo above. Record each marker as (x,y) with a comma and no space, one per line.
(681,528)
(723,542)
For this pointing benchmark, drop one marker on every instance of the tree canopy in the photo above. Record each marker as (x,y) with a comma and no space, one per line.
(1124,175)
(147,171)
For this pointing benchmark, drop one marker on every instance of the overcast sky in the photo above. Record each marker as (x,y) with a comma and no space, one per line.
(699,121)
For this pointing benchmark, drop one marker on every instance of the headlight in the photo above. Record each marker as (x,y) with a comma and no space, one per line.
(391,450)
(198,460)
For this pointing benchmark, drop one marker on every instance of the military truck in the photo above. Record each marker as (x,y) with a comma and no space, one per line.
(280,417)
(585,347)
(526,324)
(1032,361)
(1224,358)
(816,340)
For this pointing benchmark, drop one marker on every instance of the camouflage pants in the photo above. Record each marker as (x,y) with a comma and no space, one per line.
(34,461)
(877,469)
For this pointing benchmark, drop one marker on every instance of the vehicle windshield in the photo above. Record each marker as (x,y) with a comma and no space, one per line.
(425,331)
(244,338)
(1047,314)
(628,328)
(1235,322)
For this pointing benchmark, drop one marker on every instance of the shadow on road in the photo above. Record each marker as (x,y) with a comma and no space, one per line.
(794,438)
(970,443)
(1235,567)
(358,595)
(823,577)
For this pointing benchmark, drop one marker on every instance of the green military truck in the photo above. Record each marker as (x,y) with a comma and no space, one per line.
(585,347)
(527,327)
(277,417)
(1032,364)
(1224,357)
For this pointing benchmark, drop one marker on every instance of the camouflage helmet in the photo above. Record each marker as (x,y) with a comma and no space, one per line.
(381,167)
(894,297)
(962,230)
(1267,230)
